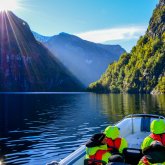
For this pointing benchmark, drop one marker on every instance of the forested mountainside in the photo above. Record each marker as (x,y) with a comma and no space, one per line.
(143,69)
(25,64)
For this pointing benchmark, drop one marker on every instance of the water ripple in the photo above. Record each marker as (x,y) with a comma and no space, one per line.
(36,129)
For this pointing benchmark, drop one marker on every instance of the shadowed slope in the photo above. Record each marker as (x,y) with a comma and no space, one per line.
(25,64)
(86,60)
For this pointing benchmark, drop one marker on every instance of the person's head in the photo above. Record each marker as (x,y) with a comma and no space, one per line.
(155,152)
(96,140)
(157,126)
(112,132)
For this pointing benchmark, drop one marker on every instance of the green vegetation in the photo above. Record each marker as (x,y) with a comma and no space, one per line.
(160,88)
(139,71)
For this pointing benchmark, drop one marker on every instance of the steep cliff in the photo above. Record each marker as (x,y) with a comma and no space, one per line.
(142,70)
(25,64)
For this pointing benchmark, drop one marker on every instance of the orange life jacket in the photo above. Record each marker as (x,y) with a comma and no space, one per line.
(113,143)
(98,155)
(160,137)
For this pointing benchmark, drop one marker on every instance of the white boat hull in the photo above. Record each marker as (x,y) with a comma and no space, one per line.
(134,128)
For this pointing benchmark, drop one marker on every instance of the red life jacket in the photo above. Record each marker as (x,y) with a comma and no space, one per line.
(98,155)
(160,137)
(113,143)
(145,160)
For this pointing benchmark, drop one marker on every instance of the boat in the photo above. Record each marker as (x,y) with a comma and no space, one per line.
(134,128)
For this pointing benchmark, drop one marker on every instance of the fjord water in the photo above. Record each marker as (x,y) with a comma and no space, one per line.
(36,128)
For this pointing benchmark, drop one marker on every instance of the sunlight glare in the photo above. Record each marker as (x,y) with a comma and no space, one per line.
(6,5)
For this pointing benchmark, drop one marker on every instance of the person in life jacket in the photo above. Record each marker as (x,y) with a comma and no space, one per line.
(115,143)
(97,150)
(153,145)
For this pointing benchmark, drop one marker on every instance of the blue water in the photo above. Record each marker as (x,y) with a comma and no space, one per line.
(36,128)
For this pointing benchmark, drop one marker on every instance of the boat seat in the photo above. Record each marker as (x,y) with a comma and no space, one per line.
(117,163)
(145,124)
(135,140)
(132,156)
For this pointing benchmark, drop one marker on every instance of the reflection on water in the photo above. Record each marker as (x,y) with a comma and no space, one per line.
(116,106)
(130,104)
(38,128)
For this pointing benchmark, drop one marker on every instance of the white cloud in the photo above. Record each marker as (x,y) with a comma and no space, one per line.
(104,35)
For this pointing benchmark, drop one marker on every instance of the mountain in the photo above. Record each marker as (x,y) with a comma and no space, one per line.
(25,64)
(142,70)
(86,60)
(40,38)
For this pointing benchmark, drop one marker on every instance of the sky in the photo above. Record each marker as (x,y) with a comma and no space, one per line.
(101,21)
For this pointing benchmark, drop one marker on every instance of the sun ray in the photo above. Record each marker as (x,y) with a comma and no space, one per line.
(20,43)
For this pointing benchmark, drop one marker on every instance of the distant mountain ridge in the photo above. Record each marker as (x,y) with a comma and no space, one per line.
(25,64)
(41,38)
(142,70)
(86,60)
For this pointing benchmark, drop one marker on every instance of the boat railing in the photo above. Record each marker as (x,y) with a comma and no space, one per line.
(145,115)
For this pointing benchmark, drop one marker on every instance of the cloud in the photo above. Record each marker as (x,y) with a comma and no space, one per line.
(104,35)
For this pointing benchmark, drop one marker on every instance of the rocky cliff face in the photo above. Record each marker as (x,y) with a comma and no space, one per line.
(25,64)
(141,71)
(156,26)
